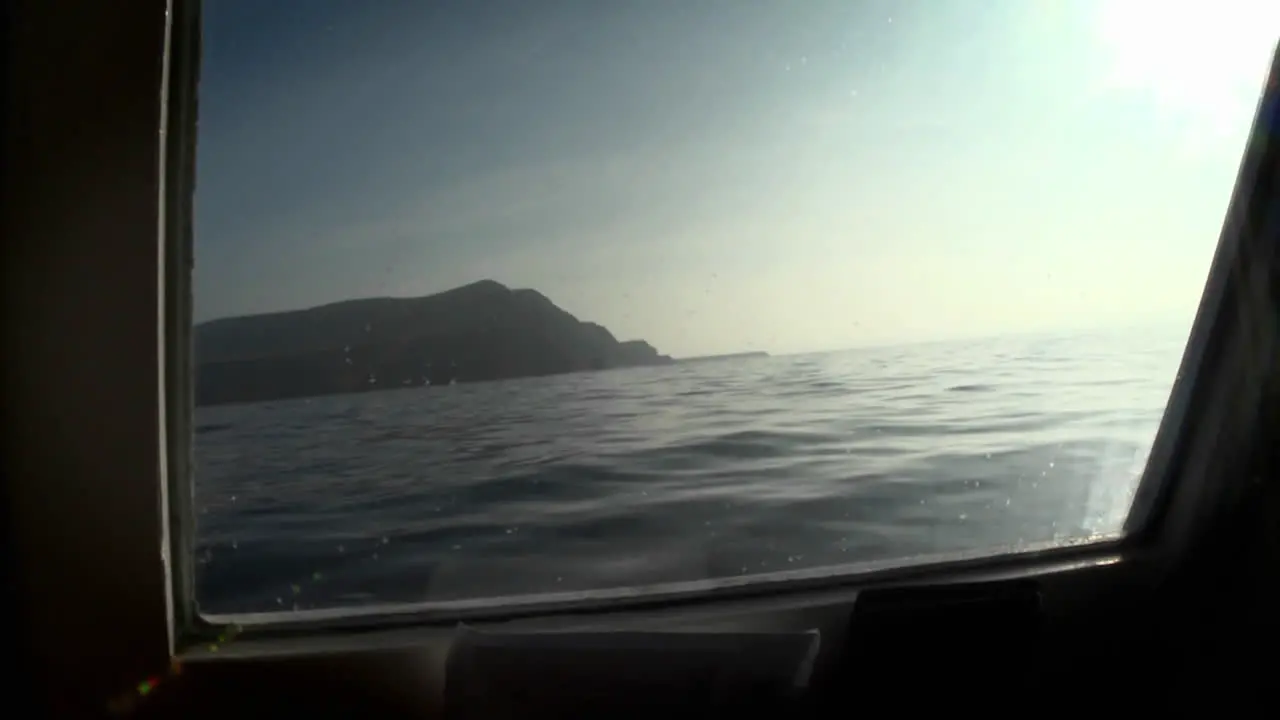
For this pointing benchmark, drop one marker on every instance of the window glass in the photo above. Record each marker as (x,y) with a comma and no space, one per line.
(542,297)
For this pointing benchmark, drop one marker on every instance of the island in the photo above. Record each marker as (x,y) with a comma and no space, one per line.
(478,332)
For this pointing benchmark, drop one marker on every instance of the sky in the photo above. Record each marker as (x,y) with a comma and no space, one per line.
(728,175)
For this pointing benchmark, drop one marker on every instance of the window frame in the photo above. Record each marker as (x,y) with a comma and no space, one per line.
(125,451)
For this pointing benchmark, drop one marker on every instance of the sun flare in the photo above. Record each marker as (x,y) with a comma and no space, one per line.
(1202,57)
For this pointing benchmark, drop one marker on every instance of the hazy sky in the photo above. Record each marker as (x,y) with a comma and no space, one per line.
(723,175)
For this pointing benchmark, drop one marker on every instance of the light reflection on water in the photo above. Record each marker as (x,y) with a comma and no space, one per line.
(675,473)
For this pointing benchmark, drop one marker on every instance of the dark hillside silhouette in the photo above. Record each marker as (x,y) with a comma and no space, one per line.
(482,331)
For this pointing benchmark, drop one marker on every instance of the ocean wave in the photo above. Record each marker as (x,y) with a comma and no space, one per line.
(663,474)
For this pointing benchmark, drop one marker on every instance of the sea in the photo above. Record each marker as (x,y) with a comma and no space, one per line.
(689,472)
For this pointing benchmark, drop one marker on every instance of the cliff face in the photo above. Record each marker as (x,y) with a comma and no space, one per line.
(482,331)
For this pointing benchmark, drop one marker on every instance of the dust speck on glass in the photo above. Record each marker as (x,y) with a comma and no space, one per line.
(563,296)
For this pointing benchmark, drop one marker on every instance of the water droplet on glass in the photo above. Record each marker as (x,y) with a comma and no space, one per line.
(342,549)
(385,540)
(280,601)
(234,545)
(457,547)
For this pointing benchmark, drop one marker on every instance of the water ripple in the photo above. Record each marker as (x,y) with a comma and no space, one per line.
(673,473)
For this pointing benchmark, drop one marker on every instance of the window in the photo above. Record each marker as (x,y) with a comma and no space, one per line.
(569,300)
(99,432)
